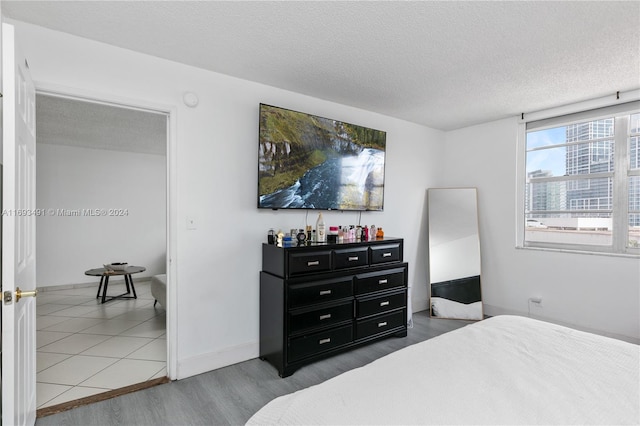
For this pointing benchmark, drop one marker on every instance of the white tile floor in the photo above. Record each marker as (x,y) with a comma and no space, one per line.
(85,348)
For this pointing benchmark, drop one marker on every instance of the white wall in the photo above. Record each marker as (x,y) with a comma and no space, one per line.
(593,292)
(218,263)
(1,91)
(73,178)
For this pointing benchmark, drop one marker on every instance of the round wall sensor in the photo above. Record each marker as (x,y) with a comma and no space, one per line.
(190,99)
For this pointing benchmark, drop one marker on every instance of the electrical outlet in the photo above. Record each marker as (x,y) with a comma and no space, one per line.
(537,301)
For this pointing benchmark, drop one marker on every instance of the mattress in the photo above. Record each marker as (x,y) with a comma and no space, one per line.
(445,308)
(503,370)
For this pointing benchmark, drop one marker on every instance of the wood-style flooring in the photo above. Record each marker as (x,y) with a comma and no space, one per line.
(231,395)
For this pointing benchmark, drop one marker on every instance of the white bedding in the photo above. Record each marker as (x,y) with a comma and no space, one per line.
(503,370)
(446,308)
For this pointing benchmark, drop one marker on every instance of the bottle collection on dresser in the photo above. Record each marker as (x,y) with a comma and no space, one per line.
(319,298)
(324,234)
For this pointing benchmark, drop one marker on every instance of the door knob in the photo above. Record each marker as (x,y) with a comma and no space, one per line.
(29,293)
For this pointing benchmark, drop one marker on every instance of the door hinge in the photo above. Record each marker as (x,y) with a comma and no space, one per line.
(7,296)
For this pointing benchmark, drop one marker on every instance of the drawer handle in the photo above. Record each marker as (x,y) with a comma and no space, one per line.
(325,316)
(325,292)
(313,263)
(384,303)
(353,258)
(382,324)
(323,341)
(386,254)
(385,281)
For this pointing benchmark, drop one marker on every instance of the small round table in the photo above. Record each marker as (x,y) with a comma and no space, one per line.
(104,275)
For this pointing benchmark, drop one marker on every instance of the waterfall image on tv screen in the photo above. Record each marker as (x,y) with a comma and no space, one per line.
(310,162)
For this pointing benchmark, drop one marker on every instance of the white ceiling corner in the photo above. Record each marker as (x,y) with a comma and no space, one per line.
(443,64)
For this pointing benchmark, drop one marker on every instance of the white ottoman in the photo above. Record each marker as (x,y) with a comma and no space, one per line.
(159,289)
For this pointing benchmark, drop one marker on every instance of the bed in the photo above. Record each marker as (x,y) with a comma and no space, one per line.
(460,298)
(445,308)
(503,370)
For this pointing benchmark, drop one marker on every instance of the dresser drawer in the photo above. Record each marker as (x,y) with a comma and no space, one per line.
(306,263)
(382,280)
(376,305)
(380,324)
(302,347)
(320,291)
(350,258)
(385,253)
(332,314)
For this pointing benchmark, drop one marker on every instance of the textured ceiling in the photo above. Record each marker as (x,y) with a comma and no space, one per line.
(442,64)
(70,122)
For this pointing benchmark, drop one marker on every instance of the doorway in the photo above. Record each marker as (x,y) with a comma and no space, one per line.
(102,183)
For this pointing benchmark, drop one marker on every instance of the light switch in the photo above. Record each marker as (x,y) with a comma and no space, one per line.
(191,222)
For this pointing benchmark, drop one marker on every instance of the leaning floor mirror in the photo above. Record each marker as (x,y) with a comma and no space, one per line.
(454,253)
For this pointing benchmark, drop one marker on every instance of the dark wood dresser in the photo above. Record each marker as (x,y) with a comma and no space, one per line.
(319,299)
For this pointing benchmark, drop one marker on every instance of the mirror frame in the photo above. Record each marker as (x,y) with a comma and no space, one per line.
(458,295)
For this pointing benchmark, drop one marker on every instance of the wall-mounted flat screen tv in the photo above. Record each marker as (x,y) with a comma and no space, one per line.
(311,162)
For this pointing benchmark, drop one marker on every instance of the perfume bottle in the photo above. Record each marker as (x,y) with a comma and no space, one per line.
(379,234)
(321,231)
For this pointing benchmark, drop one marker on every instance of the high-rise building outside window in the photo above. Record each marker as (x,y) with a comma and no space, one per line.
(582,183)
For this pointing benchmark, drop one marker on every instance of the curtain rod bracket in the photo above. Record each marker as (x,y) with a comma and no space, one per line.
(522,117)
(618,94)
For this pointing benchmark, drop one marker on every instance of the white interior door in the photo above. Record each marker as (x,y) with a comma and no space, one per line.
(18,237)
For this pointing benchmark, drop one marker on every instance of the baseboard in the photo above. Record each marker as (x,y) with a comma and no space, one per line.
(495,310)
(212,361)
(86,284)
(419,305)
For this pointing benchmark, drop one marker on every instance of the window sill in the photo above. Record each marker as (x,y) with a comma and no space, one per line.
(575,251)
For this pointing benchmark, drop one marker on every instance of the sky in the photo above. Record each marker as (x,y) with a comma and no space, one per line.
(547,159)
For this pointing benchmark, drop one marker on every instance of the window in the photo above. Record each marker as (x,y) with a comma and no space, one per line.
(582,181)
